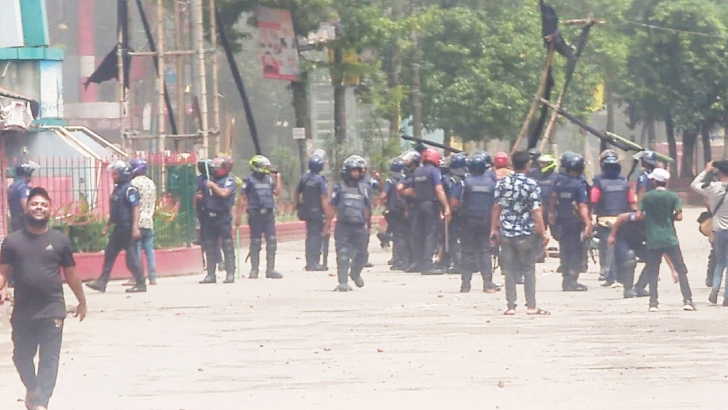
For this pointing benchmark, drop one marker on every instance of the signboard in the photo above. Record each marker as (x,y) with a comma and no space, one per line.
(278,46)
(299,133)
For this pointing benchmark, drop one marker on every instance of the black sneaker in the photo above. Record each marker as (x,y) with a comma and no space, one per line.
(137,289)
(491,287)
(713,298)
(629,294)
(358,281)
(209,279)
(96,285)
(464,287)
(641,292)
(273,275)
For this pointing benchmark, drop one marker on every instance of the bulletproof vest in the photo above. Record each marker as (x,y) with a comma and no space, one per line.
(567,190)
(478,196)
(14,194)
(121,209)
(649,187)
(424,185)
(311,194)
(352,205)
(214,203)
(546,184)
(452,181)
(394,201)
(261,196)
(613,200)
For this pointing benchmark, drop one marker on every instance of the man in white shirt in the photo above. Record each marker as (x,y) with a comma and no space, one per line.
(148,200)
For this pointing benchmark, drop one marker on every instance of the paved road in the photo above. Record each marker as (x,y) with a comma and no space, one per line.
(403,341)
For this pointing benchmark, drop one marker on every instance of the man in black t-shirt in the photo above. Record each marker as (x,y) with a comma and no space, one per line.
(34,257)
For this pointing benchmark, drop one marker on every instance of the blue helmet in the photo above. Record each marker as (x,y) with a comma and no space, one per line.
(349,165)
(478,163)
(412,157)
(458,162)
(611,168)
(138,166)
(124,170)
(396,166)
(26,168)
(204,166)
(649,158)
(574,162)
(315,163)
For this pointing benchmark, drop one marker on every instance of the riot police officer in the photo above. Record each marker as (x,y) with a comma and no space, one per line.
(570,213)
(395,215)
(371,185)
(350,202)
(18,194)
(124,215)
(428,192)
(648,160)
(411,160)
(218,194)
(475,201)
(311,200)
(258,197)
(456,174)
(204,167)
(611,196)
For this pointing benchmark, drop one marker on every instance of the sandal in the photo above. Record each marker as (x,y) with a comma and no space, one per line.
(538,312)
(510,312)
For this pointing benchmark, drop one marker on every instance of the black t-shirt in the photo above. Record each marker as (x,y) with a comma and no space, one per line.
(36,262)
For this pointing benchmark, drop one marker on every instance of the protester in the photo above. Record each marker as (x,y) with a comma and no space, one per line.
(34,257)
(147,203)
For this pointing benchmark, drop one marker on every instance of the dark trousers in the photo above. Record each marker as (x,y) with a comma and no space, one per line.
(427,221)
(455,239)
(571,249)
(203,235)
(314,240)
(476,247)
(37,335)
(351,244)
(653,260)
(120,239)
(218,240)
(398,226)
(262,222)
(518,257)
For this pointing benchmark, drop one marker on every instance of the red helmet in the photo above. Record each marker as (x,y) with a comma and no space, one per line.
(432,156)
(500,160)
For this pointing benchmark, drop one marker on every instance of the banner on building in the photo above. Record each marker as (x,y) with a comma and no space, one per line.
(278,46)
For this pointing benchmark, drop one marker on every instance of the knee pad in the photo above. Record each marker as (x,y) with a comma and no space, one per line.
(271,246)
(630,261)
(255,245)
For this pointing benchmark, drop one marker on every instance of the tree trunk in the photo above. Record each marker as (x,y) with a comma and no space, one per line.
(339,109)
(447,140)
(672,145)
(394,80)
(705,140)
(690,139)
(652,133)
(416,101)
(300,109)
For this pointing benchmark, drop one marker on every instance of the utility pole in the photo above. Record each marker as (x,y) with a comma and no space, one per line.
(202,73)
(215,90)
(179,11)
(339,101)
(121,43)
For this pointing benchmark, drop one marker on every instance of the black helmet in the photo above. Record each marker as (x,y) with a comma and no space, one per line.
(204,167)
(26,168)
(478,163)
(396,166)
(611,168)
(349,165)
(315,163)
(574,162)
(534,154)
(123,168)
(649,158)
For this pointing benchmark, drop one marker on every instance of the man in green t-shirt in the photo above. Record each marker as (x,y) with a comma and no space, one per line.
(659,208)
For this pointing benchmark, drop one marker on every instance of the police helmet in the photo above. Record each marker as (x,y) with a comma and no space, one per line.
(396,166)
(123,168)
(222,166)
(547,163)
(649,158)
(606,154)
(26,169)
(458,163)
(360,160)
(573,163)
(478,163)
(260,164)
(412,157)
(350,164)
(611,168)
(534,154)
(204,166)
(138,166)
(432,156)
(315,163)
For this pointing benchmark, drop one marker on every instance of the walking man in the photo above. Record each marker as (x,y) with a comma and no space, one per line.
(517,226)
(660,208)
(34,257)
(148,201)
(258,198)
(311,197)
(124,215)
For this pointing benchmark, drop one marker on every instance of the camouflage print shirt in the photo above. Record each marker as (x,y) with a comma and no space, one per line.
(148,200)
(518,196)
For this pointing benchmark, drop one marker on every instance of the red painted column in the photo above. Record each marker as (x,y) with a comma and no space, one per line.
(86,49)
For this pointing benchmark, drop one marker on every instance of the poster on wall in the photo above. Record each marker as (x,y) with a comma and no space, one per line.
(278,46)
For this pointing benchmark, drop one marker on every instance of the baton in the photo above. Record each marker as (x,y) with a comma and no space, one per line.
(325,250)
(238,266)
(447,237)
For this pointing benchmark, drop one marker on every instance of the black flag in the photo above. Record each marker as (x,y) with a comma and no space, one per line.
(108,69)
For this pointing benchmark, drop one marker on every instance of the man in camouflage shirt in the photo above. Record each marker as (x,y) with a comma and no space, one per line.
(148,201)
(517,225)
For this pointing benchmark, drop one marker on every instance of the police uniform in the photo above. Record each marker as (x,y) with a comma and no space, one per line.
(613,201)
(217,233)
(427,217)
(258,188)
(17,191)
(396,224)
(570,192)
(453,188)
(311,187)
(476,207)
(123,200)
(350,233)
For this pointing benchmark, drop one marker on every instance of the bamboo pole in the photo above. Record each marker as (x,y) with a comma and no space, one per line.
(180,68)
(161,106)
(122,87)
(535,104)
